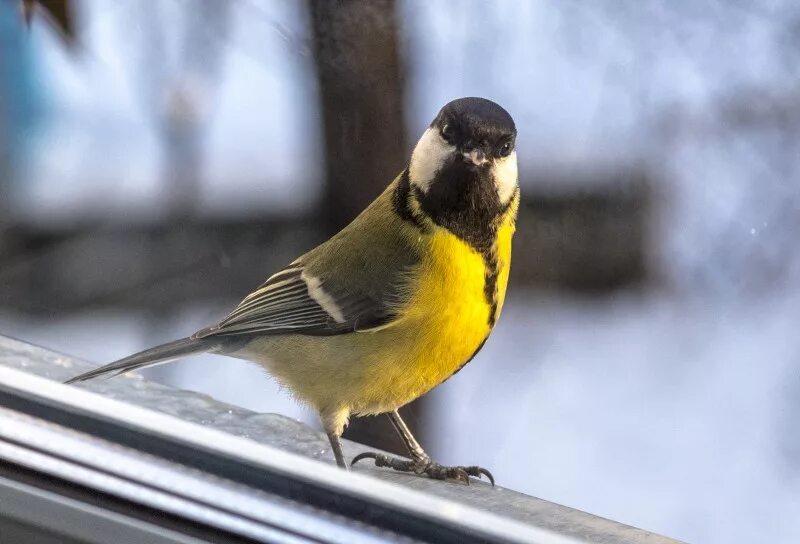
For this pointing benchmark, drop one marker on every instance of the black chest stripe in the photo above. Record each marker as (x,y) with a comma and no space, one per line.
(490,284)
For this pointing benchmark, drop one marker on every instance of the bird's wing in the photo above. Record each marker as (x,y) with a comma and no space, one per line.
(295,301)
(356,281)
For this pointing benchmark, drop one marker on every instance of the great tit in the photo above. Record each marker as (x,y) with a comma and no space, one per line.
(396,302)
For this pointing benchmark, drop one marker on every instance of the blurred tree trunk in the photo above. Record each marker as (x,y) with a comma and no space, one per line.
(361,80)
(360,74)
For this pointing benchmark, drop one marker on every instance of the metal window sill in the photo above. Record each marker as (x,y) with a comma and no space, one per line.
(162,459)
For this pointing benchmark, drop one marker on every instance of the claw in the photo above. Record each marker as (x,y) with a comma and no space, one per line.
(425,466)
(364,455)
(484,472)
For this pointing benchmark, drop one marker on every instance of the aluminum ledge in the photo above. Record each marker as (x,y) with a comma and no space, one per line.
(178,464)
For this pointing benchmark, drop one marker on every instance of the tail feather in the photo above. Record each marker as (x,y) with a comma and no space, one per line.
(149,357)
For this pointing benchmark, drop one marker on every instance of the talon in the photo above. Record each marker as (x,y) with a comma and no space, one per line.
(381,460)
(364,455)
(425,466)
(484,472)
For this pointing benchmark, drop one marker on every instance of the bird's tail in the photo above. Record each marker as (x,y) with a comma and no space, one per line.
(153,356)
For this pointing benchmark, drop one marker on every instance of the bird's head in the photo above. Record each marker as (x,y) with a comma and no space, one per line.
(466,157)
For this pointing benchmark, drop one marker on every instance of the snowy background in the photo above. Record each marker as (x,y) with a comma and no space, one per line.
(676,407)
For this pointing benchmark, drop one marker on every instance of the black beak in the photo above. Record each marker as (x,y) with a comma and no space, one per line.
(476,156)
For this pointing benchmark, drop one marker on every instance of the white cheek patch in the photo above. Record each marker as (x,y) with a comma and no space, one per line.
(504,172)
(428,157)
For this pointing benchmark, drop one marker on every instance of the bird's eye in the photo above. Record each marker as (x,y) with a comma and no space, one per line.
(505,151)
(449,134)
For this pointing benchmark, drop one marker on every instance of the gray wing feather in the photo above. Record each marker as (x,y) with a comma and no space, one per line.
(284,304)
(355,281)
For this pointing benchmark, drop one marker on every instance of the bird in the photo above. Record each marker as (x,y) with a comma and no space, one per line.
(396,302)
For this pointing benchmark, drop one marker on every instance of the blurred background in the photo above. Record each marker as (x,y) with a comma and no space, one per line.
(157,164)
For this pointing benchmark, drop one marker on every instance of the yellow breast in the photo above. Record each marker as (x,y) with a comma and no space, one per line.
(449,313)
(444,322)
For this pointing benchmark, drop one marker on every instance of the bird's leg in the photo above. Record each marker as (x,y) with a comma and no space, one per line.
(336,446)
(413,447)
(420,462)
(333,422)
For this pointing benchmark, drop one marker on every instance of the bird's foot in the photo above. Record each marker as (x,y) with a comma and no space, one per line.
(424,465)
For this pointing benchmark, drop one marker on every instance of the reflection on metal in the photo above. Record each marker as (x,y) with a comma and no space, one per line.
(81,466)
(28,511)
